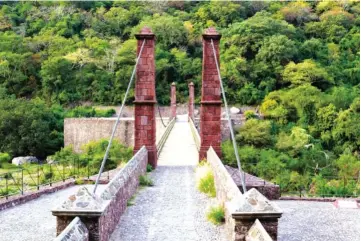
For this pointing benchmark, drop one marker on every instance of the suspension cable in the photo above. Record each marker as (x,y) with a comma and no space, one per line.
(118,119)
(161,118)
(229,122)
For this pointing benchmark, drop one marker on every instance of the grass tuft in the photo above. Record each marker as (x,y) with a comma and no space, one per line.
(205,179)
(216,215)
(144,180)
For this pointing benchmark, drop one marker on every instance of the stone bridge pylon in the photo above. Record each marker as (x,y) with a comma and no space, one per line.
(145,97)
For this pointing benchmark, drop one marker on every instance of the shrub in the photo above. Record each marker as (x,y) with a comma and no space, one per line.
(4,157)
(216,215)
(88,111)
(149,168)
(249,114)
(145,180)
(205,179)
(79,181)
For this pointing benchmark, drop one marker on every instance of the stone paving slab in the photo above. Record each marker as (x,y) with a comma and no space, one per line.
(172,209)
(33,221)
(317,221)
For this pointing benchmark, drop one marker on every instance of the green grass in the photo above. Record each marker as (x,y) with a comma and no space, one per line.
(205,179)
(149,168)
(131,202)
(216,215)
(144,180)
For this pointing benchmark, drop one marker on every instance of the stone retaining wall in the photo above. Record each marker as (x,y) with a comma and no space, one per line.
(100,214)
(80,131)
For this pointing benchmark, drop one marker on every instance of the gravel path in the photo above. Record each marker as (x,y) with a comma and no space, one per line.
(317,221)
(172,209)
(33,221)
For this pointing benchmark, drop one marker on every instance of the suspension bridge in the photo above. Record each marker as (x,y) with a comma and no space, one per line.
(173,209)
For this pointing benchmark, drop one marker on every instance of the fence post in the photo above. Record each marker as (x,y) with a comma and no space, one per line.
(87,167)
(63,173)
(51,175)
(22,181)
(38,186)
(6,186)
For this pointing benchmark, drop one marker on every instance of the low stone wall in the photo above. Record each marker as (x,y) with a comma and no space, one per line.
(100,214)
(76,230)
(20,199)
(241,210)
(80,131)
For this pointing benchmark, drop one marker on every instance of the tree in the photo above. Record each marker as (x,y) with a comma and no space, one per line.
(28,128)
(255,132)
(307,72)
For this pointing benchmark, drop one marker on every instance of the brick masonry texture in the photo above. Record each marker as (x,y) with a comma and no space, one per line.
(115,197)
(20,199)
(79,131)
(210,117)
(268,189)
(145,99)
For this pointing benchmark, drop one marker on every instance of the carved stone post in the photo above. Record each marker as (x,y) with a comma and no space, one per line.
(210,124)
(145,100)
(191,101)
(173,101)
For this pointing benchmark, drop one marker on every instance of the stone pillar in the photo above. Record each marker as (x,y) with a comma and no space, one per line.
(256,206)
(191,101)
(145,100)
(173,101)
(210,124)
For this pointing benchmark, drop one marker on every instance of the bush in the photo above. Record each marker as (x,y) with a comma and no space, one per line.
(249,114)
(88,111)
(4,157)
(149,168)
(145,180)
(79,181)
(205,179)
(93,154)
(216,215)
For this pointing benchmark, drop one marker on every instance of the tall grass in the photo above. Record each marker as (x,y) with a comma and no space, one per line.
(216,215)
(205,179)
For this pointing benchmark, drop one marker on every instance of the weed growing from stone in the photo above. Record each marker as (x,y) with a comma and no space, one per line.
(144,180)
(131,202)
(205,179)
(216,215)
(149,168)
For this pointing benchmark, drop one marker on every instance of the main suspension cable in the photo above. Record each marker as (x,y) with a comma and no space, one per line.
(118,119)
(229,122)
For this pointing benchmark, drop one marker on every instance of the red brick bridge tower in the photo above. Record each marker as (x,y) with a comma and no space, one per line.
(210,124)
(145,99)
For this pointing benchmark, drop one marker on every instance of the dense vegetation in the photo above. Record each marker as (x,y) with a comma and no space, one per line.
(298,60)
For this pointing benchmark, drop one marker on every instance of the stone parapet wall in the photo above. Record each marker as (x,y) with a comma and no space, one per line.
(101,213)
(76,230)
(228,194)
(80,131)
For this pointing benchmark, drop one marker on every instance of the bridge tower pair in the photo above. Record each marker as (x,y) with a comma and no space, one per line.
(145,98)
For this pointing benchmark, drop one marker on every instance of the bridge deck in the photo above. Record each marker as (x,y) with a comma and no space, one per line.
(172,209)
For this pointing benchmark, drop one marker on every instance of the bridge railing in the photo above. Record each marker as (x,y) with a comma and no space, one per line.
(33,177)
(196,137)
(101,213)
(165,135)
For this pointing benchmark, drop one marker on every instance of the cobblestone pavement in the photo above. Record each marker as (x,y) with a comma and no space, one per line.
(317,221)
(172,209)
(33,221)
